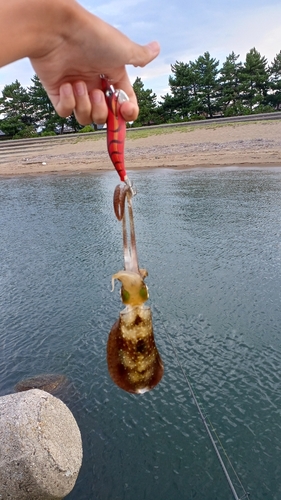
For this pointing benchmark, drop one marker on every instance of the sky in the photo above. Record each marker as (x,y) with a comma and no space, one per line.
(185,30)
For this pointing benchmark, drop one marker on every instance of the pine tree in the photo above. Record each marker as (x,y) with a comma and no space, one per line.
(206,74)
(41,106)
(167,109)
(183,89)
(229,82)
(15,106)
(254,78)
(274,97)
(147,104)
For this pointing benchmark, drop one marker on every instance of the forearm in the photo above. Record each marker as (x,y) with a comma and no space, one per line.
(29,28)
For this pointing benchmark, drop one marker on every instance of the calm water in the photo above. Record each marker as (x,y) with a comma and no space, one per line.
(211,241)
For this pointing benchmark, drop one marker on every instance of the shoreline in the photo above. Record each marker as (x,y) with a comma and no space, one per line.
(89,171)
(246,144)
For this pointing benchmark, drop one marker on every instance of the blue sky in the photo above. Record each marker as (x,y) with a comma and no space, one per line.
(184,30)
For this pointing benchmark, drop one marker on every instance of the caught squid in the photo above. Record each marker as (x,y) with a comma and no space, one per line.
(134,363)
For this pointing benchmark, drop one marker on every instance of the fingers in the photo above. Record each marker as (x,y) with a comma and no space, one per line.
(98,106)
(129,111)
(83,105)
(65,102)
(88,107)
(91,107)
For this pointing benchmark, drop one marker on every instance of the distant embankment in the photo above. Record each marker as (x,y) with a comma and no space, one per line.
(21,148)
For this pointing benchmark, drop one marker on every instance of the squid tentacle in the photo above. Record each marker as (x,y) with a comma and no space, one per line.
(121,194)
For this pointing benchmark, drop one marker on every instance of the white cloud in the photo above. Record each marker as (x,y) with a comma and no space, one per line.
(237,31)
(260,29)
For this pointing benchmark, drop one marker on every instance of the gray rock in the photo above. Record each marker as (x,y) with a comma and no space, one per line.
(40,447)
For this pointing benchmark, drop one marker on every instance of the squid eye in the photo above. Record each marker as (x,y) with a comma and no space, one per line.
(125,295)
(144,292)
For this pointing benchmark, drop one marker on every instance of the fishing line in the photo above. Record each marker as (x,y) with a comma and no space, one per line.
(207,427)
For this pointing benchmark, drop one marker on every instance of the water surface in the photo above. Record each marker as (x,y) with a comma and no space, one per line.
(211,241)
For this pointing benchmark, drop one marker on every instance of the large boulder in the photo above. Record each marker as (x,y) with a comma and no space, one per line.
(40,447)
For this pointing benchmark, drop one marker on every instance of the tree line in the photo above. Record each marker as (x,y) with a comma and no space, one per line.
(199,89)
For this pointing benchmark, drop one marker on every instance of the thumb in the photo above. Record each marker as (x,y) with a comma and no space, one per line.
(144,54)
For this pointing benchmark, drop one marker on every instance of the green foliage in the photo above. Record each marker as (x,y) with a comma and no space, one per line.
(206,71)
(86,129)
(15,107)
(254,80)
(194,89)
(263,108)
(26,110)
(274,97)
(15,101)
(229,85)
(47,133)
(200,89)
(11,126)
(184,89)
(40,105)
(147,104)
(168,109)
(237,110)
(26,133)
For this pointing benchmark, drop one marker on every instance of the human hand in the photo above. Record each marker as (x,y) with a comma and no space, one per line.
(75,56)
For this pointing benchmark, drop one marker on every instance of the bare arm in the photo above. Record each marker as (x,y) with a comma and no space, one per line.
(69,48)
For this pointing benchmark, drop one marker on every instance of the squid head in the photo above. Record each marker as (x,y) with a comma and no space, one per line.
(134,291)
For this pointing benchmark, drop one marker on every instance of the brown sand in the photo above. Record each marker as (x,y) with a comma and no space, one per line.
(250,143)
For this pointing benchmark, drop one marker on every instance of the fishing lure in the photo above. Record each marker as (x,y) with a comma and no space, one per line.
(134,362)
(116,128)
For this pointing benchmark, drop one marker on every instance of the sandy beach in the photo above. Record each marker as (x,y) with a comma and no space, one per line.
(236,144)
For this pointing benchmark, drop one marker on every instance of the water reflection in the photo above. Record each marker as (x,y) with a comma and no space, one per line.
(211,242)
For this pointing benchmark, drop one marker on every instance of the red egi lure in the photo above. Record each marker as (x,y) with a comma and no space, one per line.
(133,360)
(116,129)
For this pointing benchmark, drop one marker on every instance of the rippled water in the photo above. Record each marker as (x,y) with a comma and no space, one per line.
(211,240)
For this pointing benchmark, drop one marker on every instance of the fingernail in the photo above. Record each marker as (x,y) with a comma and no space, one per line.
(79,88)
(66,89)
